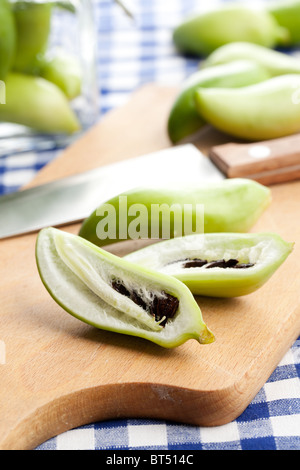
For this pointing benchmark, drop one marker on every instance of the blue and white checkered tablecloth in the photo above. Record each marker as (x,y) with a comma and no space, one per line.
(131,54)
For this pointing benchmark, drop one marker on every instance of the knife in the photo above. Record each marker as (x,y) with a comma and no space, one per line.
(72,199)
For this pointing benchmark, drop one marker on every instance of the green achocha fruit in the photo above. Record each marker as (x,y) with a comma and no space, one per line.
(113,294)
(184,119)
(202,33)
(7,38)
(218,264)
(33,22)
(274,62)
(231,205)
(263,111)
(63,70)
(36,103)
(287,15)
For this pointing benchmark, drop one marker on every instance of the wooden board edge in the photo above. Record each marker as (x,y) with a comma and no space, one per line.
(115,401)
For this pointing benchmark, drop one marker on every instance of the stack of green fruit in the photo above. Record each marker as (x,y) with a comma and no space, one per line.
(38,88)
(244,87)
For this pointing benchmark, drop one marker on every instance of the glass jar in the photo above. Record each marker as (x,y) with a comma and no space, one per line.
(49,95)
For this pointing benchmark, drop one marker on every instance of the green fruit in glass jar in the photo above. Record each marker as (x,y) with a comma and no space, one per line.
(7,38)
(63,70)
(33,24)
(36,103)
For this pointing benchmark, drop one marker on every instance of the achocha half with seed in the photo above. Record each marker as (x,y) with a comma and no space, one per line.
(114,294)
(217,264)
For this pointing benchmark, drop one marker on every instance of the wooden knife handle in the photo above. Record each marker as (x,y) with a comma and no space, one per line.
(268,162)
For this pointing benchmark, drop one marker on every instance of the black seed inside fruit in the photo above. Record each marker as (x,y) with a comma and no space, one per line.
(231,263)
(194,263)
(244,265)
(163,307)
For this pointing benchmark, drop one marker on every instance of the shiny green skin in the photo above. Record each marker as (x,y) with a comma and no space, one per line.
(232,205)
(202,33)
(7,38)
(72,290)
(287,14)
(263,111)
(36,103)
(218,282)
(275,62)
(184,119)
(33,22)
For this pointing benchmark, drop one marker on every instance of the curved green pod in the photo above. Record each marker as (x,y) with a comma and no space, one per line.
(184,119)
(202,33)
(217,265)
(263,111)
(275,62)
(36,103)
(229,205)
(7,38)
(113,294)
(33,24)
(287,15)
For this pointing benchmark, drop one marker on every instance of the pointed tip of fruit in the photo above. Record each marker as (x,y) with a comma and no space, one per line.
(206,337)
(291,246)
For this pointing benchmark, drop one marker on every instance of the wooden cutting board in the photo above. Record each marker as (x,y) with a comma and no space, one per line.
(58,373)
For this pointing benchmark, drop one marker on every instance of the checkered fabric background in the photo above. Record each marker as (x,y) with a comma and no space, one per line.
(270,422)
(131,54)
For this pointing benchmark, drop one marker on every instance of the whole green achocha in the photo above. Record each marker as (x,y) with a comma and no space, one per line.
(184,119)
(204,32)
(274,62)
(230,66)
(287,15)
(263,111)
(232,205)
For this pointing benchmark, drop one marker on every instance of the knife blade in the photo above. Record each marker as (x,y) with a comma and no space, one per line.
(72,199)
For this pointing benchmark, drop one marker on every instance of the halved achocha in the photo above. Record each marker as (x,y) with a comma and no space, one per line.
(217,264)
(114,294)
